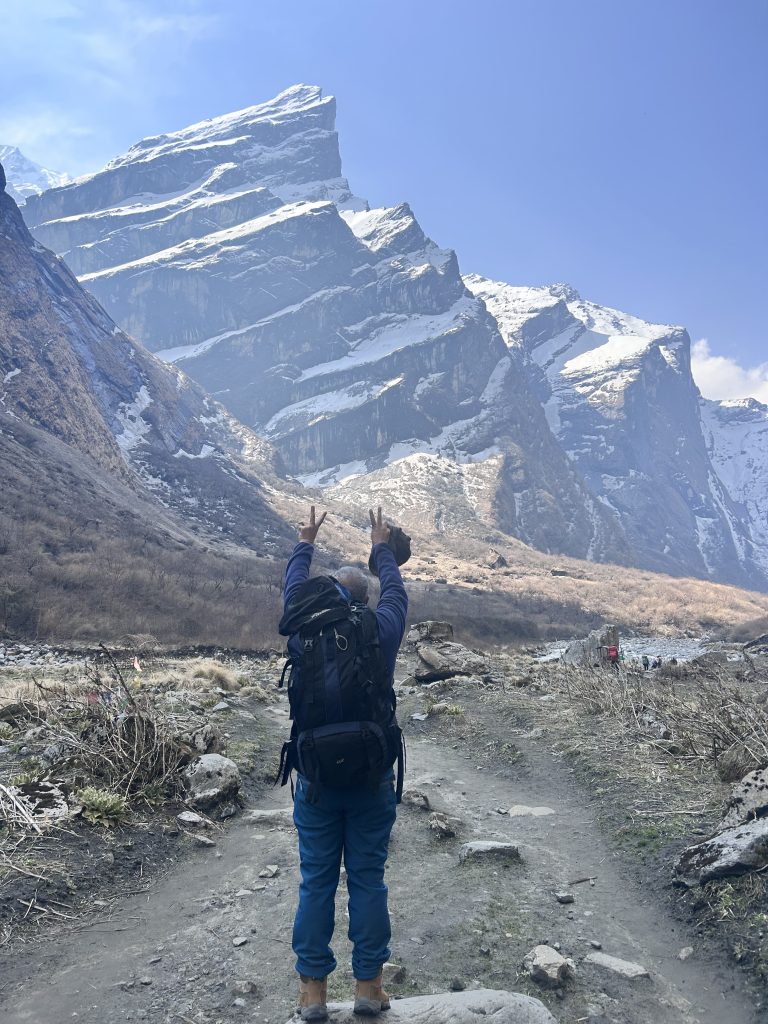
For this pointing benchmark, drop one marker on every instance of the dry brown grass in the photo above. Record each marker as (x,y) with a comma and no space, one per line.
(709,714)
(215,674)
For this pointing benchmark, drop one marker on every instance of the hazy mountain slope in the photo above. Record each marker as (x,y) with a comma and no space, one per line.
(619,395)
(24,177)
(736,434)
(107,453)
(344,335)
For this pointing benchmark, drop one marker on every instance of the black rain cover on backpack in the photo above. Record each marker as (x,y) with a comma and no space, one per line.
(342,701)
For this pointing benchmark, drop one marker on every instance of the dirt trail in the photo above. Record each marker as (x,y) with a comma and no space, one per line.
(168,955)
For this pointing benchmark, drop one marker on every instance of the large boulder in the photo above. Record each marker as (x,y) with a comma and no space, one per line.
(591,651)
(430,630)
(757,646)
(748,800)
(733,851)
(476,1007)
(445,660)
(210,779)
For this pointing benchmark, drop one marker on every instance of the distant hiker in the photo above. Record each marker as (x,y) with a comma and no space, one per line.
(344,743)
(646,662)
(655,663)
(613,657)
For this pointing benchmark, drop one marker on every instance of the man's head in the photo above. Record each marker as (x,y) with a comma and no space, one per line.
(355,581)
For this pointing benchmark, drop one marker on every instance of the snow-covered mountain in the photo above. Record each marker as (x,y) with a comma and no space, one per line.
(619,395)
(236,250)
(25,178)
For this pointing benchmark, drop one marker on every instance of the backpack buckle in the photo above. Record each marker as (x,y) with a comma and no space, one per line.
(309,643)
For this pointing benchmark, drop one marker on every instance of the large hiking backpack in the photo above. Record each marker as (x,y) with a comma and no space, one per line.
(342,701)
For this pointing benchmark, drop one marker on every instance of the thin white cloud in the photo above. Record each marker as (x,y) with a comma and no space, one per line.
(85,55)
(40,126)
(722,377)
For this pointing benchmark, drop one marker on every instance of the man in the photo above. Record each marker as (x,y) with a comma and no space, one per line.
(353,822)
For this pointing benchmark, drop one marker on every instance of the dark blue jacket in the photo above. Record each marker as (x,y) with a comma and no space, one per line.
(392,608)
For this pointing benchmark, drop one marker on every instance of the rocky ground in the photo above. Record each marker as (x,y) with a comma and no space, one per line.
(533,853)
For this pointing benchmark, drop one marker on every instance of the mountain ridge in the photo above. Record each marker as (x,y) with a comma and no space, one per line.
(351,341)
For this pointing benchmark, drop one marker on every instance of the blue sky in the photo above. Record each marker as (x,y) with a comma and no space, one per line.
(618,145)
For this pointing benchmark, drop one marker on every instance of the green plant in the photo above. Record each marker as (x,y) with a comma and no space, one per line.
(6,730)
(100,807)
(22,779)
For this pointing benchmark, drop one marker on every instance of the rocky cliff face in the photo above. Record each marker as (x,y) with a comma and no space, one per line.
(619,395)
(736,433)
(345,336)
(69,373)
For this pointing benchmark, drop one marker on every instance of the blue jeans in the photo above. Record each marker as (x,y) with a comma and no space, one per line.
(356,823)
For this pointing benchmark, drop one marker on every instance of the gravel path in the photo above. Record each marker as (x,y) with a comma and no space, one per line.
(211,941)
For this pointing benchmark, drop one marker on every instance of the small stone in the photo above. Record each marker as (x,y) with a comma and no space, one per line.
(685,952)
(456,985)
(419,941)
(393,974)
(239,1003)
(270,871)
(623,967)
(415,798)
(271,816)
(441,825)
(190,818)
(145,981)
(419,716)
(547,967)
(595,944)
(245,987)
(204,841)
(239,940)
(221,706)
(485,950)
(523,811)
(565,897)
(489,850)
(243,892)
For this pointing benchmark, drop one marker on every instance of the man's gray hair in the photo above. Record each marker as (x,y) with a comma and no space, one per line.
(355,581)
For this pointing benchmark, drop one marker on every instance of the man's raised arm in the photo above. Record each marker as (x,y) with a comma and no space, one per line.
(392,609)
(297,570)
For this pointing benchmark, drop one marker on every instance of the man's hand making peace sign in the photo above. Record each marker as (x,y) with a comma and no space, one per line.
(379,529)
(307,533)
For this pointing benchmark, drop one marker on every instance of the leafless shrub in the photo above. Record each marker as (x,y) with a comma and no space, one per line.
(120,739)
(709,715)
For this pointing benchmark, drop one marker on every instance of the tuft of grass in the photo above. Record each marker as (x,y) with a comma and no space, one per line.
(6,730)
(216,674)
(100,807)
